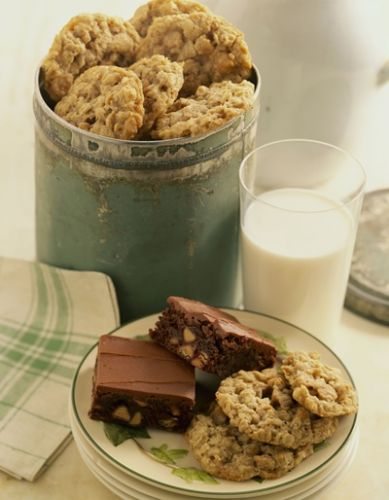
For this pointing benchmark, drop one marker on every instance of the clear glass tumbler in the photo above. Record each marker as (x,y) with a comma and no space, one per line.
(300,203)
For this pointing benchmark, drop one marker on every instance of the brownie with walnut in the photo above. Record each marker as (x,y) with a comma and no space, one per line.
(139,383)
(211,339)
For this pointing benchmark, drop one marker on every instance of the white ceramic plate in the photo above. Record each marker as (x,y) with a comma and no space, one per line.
(133,459)
(124,494)
(118,481)
(293,493)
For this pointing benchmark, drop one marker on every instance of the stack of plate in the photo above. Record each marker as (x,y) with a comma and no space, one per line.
(160,467)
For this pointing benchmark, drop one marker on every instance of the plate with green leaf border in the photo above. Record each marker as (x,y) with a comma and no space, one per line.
(163,460)
(144,491)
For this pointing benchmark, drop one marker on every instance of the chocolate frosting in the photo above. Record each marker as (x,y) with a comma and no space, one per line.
(141,367)
(224,324)
(198,309)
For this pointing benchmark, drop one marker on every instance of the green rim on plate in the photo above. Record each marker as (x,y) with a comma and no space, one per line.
(124,488)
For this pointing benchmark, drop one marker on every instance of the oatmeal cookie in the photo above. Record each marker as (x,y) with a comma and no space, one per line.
(211,49)
(323,428)
(319,388)
(224,452)
(106,100)
(145,14)
(85,41)
(210,108)
(237,96)
(161,80)
(260,405)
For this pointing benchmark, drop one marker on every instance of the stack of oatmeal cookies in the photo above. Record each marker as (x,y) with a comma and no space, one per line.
(264,423)
(173,70)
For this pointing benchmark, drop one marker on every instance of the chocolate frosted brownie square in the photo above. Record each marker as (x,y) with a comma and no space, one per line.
(139,383)
(211,339)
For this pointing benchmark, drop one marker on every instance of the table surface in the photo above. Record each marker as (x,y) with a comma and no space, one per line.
(364,346)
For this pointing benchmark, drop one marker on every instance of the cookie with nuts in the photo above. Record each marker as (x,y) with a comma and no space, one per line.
(319,388)
(87,40)
(210,339)
(223,451)
(145,14)
(210,108)
(161,81)
(105,100)
(261,406)
(211,48)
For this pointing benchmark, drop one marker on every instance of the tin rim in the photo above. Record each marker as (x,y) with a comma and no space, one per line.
(255,78)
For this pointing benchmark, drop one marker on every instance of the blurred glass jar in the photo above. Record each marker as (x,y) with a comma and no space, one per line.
(325,71)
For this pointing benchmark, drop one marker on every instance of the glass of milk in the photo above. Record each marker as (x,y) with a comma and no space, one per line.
(300,203)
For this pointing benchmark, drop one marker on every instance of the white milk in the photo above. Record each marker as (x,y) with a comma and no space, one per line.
(296,258)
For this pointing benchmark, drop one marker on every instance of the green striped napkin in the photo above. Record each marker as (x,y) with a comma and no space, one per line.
(49,318)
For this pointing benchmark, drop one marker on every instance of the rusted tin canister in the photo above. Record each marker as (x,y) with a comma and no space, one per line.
(160,217)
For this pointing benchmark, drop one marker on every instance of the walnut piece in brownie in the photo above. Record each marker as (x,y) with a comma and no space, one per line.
(138,383)
(211,48)
(85,41)
(211,339)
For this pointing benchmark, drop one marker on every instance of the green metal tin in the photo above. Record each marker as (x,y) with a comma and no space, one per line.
(160,217)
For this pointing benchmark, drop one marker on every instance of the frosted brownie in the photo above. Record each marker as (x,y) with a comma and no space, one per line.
(139,383)
(211,339)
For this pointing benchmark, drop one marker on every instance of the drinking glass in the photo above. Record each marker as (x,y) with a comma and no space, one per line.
(300,201)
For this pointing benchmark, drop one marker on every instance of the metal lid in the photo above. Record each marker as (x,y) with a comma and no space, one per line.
(368,287)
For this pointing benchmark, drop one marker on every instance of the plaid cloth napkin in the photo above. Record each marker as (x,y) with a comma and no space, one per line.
(49,318)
